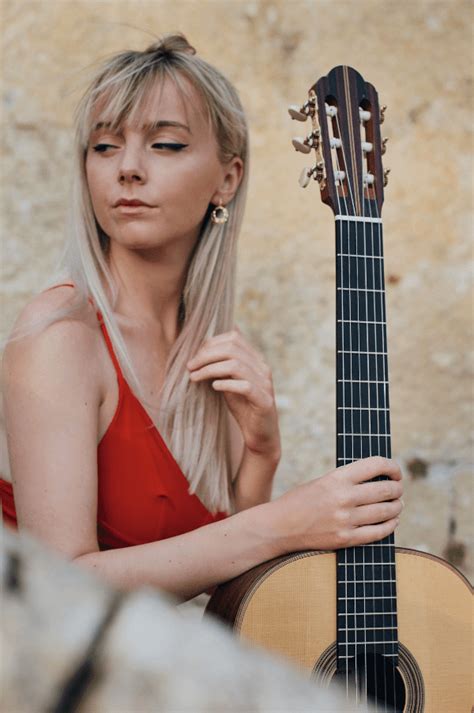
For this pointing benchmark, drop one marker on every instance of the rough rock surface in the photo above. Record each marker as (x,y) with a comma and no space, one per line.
(70,644)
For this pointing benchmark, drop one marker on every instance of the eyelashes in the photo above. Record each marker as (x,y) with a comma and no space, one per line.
(101,148)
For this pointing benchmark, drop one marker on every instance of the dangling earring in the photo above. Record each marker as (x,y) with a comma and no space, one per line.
(220,214)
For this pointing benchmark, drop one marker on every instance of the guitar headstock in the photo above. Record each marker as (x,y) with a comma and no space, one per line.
(346,117)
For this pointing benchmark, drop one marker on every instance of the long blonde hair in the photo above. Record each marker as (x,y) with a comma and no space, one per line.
(192,416)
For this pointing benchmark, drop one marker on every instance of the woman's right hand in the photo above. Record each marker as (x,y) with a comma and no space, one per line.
(341,508)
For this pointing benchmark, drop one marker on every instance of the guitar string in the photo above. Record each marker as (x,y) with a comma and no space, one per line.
(341,241)
(385,374)
(379,419)
(351,382)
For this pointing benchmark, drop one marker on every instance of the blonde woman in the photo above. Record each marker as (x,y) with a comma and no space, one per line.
(142,428)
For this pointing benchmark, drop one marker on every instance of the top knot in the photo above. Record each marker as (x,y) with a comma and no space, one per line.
(170,44)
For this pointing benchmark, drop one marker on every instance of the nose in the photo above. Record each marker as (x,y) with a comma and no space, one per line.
(131,168)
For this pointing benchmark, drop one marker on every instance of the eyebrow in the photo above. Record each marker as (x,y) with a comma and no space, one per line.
(147,127)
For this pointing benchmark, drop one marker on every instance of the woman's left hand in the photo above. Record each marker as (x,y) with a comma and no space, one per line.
(241,373)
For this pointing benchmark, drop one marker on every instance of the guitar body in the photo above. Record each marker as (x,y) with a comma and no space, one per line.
(288,606)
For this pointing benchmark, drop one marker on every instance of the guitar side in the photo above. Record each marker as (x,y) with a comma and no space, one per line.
(288,607)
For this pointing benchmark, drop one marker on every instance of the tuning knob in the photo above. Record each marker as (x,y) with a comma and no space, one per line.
(384,145)
(382,113)
(385,176)
(301,113)
(310,142)
(305,176)
(301,144)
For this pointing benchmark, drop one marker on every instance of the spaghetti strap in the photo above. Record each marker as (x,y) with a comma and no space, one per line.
(103,329)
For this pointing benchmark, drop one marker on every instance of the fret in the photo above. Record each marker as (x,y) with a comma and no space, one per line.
(362,381)
(349,599)
(365,581)
(374,435)
(350,351)
(361,289)
(368,628)
(361,321)
(359,642)
(361,619)
(361,408)
(365,615)
(368,257)
(349,656)
(366,564)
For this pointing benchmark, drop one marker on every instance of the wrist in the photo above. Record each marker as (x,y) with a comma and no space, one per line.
(271,528)
(271,455)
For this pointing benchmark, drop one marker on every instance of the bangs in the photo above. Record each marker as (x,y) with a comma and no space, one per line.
(126,98)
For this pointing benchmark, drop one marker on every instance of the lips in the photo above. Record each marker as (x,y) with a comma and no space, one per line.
(133,202)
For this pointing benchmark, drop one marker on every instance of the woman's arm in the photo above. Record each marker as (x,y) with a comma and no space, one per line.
(189,564)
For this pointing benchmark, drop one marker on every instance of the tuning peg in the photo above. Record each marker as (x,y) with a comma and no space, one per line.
(305,176)
(367,147)
(385,176)
(301,144)
(364,115)
(384,145)
(382,113)
(310,142)
(301,113)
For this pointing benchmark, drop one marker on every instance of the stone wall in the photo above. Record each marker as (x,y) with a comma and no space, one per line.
(417,54)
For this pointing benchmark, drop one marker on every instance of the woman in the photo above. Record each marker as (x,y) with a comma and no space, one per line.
(136,347)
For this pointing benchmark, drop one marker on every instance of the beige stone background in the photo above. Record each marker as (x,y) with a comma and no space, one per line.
(418,55)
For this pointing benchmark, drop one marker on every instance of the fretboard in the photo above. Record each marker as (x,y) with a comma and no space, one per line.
(366,587)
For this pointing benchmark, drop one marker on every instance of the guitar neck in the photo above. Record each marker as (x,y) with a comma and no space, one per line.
(367,613)
(362,395)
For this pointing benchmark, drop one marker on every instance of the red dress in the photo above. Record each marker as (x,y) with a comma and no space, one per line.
(143,494)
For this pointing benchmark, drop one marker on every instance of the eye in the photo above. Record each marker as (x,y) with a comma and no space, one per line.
(173,147)
(100,148)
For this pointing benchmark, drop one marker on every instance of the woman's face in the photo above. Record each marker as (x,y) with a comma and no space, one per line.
(171,163)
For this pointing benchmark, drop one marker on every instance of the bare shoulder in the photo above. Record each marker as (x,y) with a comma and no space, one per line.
(51,389)
(64,344)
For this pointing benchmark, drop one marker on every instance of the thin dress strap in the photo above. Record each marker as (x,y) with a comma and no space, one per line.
(103,328)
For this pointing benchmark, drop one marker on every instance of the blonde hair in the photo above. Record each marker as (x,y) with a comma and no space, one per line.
(192,416)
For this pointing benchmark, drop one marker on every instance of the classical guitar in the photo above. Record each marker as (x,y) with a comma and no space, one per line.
(390,624)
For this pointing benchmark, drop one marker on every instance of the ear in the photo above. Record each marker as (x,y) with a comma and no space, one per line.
(232,173)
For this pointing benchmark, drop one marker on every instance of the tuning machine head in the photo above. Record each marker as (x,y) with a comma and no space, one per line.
(305,145)
(385,176)
(316,172)
(384,145)
(301,113)
(382,113)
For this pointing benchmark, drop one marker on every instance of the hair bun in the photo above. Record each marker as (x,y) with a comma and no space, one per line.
(171,43)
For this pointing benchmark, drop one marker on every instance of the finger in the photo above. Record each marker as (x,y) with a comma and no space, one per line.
(372,533)
(376,513)
(221,369)
(382,490)
(367,468)
(238,360)
(234,339)
(244,388)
